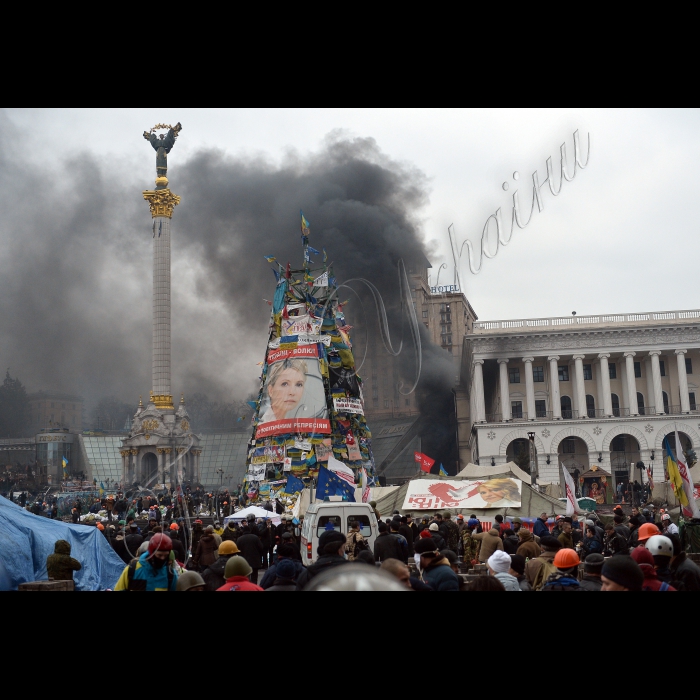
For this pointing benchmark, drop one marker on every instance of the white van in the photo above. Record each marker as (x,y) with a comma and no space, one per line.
(340,514)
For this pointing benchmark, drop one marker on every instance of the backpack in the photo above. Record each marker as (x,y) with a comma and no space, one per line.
(141,585)
(546,570)
(360,545)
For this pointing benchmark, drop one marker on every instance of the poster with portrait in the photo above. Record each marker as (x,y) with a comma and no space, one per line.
(293,397)
(430,494)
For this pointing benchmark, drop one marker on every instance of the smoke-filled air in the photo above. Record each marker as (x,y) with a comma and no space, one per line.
(76,262)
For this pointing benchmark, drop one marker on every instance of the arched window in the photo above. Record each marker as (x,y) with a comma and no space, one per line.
(640,403)
(665,398)
(615,400)
(566,411)
(590,406)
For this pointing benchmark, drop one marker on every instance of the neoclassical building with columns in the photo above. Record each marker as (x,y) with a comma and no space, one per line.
(599,393)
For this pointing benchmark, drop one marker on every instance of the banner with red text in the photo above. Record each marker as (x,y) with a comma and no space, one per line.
(293,398)
(429,494)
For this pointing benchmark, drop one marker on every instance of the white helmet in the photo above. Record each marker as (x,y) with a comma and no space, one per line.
(665,516)
(659,545)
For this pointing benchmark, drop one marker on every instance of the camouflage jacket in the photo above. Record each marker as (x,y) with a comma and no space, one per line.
(61,565)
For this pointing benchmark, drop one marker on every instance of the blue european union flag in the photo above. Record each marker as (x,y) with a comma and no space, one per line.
(294,485)
(313,250)
(328,484)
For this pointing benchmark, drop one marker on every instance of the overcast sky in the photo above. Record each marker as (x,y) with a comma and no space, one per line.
(620,237)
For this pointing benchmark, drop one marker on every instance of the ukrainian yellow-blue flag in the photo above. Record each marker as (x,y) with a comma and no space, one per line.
(674,475)
(304,225)
(65,466)
(442,471)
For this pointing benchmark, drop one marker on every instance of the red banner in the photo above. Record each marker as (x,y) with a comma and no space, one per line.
(300,351)
(293,425)
(424,461)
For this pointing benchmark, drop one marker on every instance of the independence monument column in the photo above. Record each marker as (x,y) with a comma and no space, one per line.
(162,202)
(161,448)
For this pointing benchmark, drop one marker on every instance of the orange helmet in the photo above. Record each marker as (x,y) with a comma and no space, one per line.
(647,530)
(566,559)
(100,526)
(174,526)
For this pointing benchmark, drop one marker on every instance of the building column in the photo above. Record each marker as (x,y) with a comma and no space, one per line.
(555,397)
(683,381)
(605,383)
(478,388)
(580,391)
(631,384)
(650,401)
(529,388)
(505,390)
(656,381)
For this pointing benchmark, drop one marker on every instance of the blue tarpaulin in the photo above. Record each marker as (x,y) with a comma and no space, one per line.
(27,539)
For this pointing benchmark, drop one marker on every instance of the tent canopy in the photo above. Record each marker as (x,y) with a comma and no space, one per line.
(26,540)
(256,511)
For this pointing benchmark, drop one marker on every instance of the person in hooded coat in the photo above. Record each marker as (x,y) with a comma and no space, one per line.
(490,542)
(207,550)
(61,565)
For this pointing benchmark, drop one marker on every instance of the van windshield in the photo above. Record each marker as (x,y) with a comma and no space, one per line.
(327,522)
(363,520)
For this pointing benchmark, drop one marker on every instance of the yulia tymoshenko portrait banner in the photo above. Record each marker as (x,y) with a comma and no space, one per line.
(293,398)
(426,494)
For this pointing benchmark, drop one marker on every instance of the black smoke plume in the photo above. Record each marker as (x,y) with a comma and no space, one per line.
(76,264)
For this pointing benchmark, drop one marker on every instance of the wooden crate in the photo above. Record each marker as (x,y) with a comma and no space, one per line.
(47,586)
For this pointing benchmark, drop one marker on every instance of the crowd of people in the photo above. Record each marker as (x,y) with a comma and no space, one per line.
(645,552)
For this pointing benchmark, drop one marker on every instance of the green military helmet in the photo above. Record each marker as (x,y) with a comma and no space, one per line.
(237,566)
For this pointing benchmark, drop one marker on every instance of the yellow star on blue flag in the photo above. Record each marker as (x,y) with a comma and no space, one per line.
(332,485)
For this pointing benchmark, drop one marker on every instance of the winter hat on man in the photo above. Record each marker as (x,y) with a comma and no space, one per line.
(499,562)
(425,546)
(517,563)
(624,571)
(329,542)
(593,563)
(434,527)
(286,569)
(424,534)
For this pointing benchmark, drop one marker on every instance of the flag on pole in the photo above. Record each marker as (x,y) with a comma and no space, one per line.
(330,484)
(571,502)
(425,462)
(442,470)
(686,497)
(651,478)
(364,485)
(304,224)
(674,475)
(102,489)
(339,469)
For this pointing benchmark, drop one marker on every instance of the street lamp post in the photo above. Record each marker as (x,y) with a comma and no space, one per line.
(533,461)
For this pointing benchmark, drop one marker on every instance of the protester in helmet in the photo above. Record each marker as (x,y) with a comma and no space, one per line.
(565,578)
(214,575)
(153,570)
(668,526)
(237,574)
(661,549)
(190,581)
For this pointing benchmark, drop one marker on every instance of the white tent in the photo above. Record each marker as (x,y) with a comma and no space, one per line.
(253,510)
